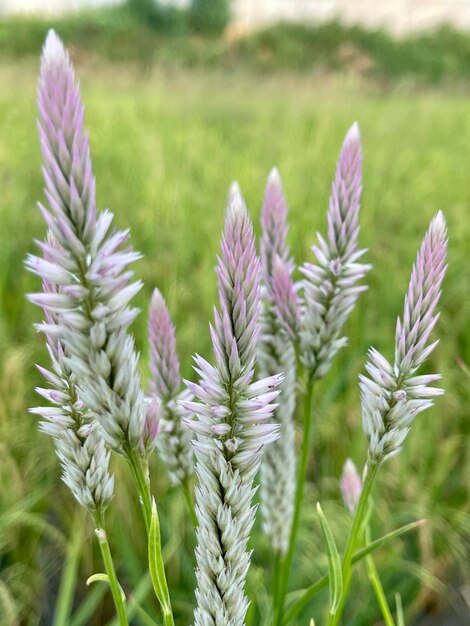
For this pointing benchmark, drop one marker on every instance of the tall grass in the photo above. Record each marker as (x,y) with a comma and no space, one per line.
(146,33)
(165,150)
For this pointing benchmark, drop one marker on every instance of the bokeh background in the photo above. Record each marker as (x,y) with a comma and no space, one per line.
(182,98)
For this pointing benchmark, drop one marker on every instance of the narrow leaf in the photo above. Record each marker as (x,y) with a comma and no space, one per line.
(156,566)
(377,586)
(400,614)
(297,600)
(334,563)
(103,578)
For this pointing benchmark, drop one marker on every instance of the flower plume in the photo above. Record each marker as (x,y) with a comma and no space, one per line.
(90,265)
(392,395)
(351,486)
(274,227)
(330,286)
(81,449)
(280,330)
(174,439)
(232,427)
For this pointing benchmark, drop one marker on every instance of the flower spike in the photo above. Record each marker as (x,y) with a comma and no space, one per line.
(330,286)
(89,267)
(232,427)
(392,395)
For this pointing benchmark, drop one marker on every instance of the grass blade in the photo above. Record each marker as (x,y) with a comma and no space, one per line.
(68,581)
(334,562)
(157,568)
(378,587)
(299,599)
(400,614)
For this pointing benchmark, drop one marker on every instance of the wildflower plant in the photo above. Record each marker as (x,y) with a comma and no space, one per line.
(174,440)
(86,292)
(232,428)
(277,353)
(274,334)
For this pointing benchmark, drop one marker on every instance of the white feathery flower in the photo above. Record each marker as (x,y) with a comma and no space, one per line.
(393,395)
(232,426)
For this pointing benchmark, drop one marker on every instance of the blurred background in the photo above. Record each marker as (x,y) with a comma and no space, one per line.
(181,98)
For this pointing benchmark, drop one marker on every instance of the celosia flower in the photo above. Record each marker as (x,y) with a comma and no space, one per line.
(351,486)
(280,328)
(393,396)
(274,227)
(284,300)
(153,416)
(174,441)
(90,268)
(80,447)
(330,286)
(232,428)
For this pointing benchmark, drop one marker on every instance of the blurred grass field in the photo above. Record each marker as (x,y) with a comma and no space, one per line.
(166,146)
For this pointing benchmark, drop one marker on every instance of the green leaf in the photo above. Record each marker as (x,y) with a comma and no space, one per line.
(377,586)
(297,600)
(68,582)
(103,578)
(334,563)
(400,614)
(157,568)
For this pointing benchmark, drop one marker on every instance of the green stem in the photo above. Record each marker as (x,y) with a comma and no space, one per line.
(143,487)
(68,579)
(302,475)
(188,496)
(111,571)
(377,586)
(353,541)
(276,578)
(142,483)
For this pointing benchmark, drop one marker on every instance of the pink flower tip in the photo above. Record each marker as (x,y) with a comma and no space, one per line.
(53,50)
(438,225)
(236,205)
(157,302)
(351,485)
(234,192)
(353,134)
(274,177)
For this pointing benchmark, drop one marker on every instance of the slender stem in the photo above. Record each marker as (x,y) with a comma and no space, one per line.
(353,541)
(142,483)
(143,487)
(68,579)
(188,496)
(111,571)
(301,477)
(276,578)
(377,586)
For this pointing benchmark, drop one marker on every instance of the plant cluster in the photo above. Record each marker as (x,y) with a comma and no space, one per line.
(274,335)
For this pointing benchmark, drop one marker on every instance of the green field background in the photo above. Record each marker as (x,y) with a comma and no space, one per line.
(166,144)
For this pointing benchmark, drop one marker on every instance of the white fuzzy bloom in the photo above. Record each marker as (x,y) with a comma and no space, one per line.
(80,447)
(232,426)
(276,353)
(174,437)
(89,267)
(330,286)
(278,468)
(393,395)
